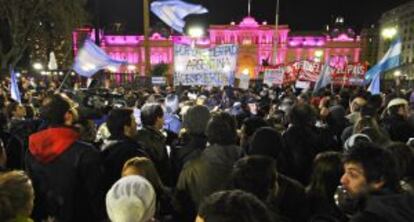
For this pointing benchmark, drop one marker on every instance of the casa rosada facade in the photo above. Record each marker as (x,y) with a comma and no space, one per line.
(255,41)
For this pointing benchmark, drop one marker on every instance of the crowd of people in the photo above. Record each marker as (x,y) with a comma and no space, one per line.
(205,154)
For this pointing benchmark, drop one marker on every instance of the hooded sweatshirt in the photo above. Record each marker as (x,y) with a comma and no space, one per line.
(48,144)
(387,208)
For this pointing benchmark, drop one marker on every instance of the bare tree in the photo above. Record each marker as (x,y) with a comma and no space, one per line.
(22,22)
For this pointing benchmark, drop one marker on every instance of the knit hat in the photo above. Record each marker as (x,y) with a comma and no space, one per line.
(354,139)
(397,102)
(196,119)
(131,198)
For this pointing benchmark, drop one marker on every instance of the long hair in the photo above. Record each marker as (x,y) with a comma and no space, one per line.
(326,175)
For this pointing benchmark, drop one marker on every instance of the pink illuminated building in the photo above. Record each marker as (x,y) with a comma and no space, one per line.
(255,40)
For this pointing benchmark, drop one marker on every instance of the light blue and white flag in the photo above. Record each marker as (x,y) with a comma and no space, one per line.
(14,87)
(374,87)
(173,12)
(91,59)
(390,60)
(325,77)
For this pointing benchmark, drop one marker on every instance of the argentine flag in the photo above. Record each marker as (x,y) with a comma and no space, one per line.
(390,60)
(14,87)
(325,77)
(173,12)
(91,59)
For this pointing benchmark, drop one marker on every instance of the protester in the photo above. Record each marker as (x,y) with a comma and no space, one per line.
(121,145)
(233,206)
(144,167)
(153,141)
(327,171)
(131,199)
(209,172)
(66,173)
(371,179)
(193,139)
(16,197)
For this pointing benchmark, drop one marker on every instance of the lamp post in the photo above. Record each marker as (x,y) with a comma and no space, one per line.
(276,34)
(146,37)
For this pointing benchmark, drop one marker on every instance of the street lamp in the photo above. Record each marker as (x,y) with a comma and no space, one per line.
(131,68)
(246,71)
(318,55)
(195,33)
(389,33)
(38,66)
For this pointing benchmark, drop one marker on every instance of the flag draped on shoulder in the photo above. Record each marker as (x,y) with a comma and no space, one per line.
(14,87)
(91,59)
(173,12)
(325,77)
(390,60)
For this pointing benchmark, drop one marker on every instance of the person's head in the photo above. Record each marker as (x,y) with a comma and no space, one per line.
(16,110)
(326,174)
(144,167)
(405,158)
(249,126)
(131,198)
(398,107)
(356,104)
(121,122)
(233,206)
(30,111)
(195,119)
(16,195)
(221,129)
(256,175)
(152,115)
(266,141)
(368,168)
(302,115)
(58,109)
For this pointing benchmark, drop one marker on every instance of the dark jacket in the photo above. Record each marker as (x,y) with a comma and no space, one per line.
(204,176)
(387,208)
(188,149)
(18,142)
(154,145)
(14,151)
(398,128)
(66,175)
(290,201)
(115,152)
(301,146)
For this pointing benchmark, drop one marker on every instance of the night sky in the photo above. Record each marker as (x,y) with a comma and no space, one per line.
(300,15)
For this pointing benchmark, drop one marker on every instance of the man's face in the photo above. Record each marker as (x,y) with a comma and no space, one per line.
(354,180)
(20,112)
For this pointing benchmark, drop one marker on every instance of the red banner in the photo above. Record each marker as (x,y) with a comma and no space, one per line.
(351,74)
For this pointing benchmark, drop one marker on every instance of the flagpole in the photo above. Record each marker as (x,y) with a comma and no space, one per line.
(276,38)
(64,80)
(146,37)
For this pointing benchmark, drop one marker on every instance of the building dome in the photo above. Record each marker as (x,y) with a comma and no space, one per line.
(249,22)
